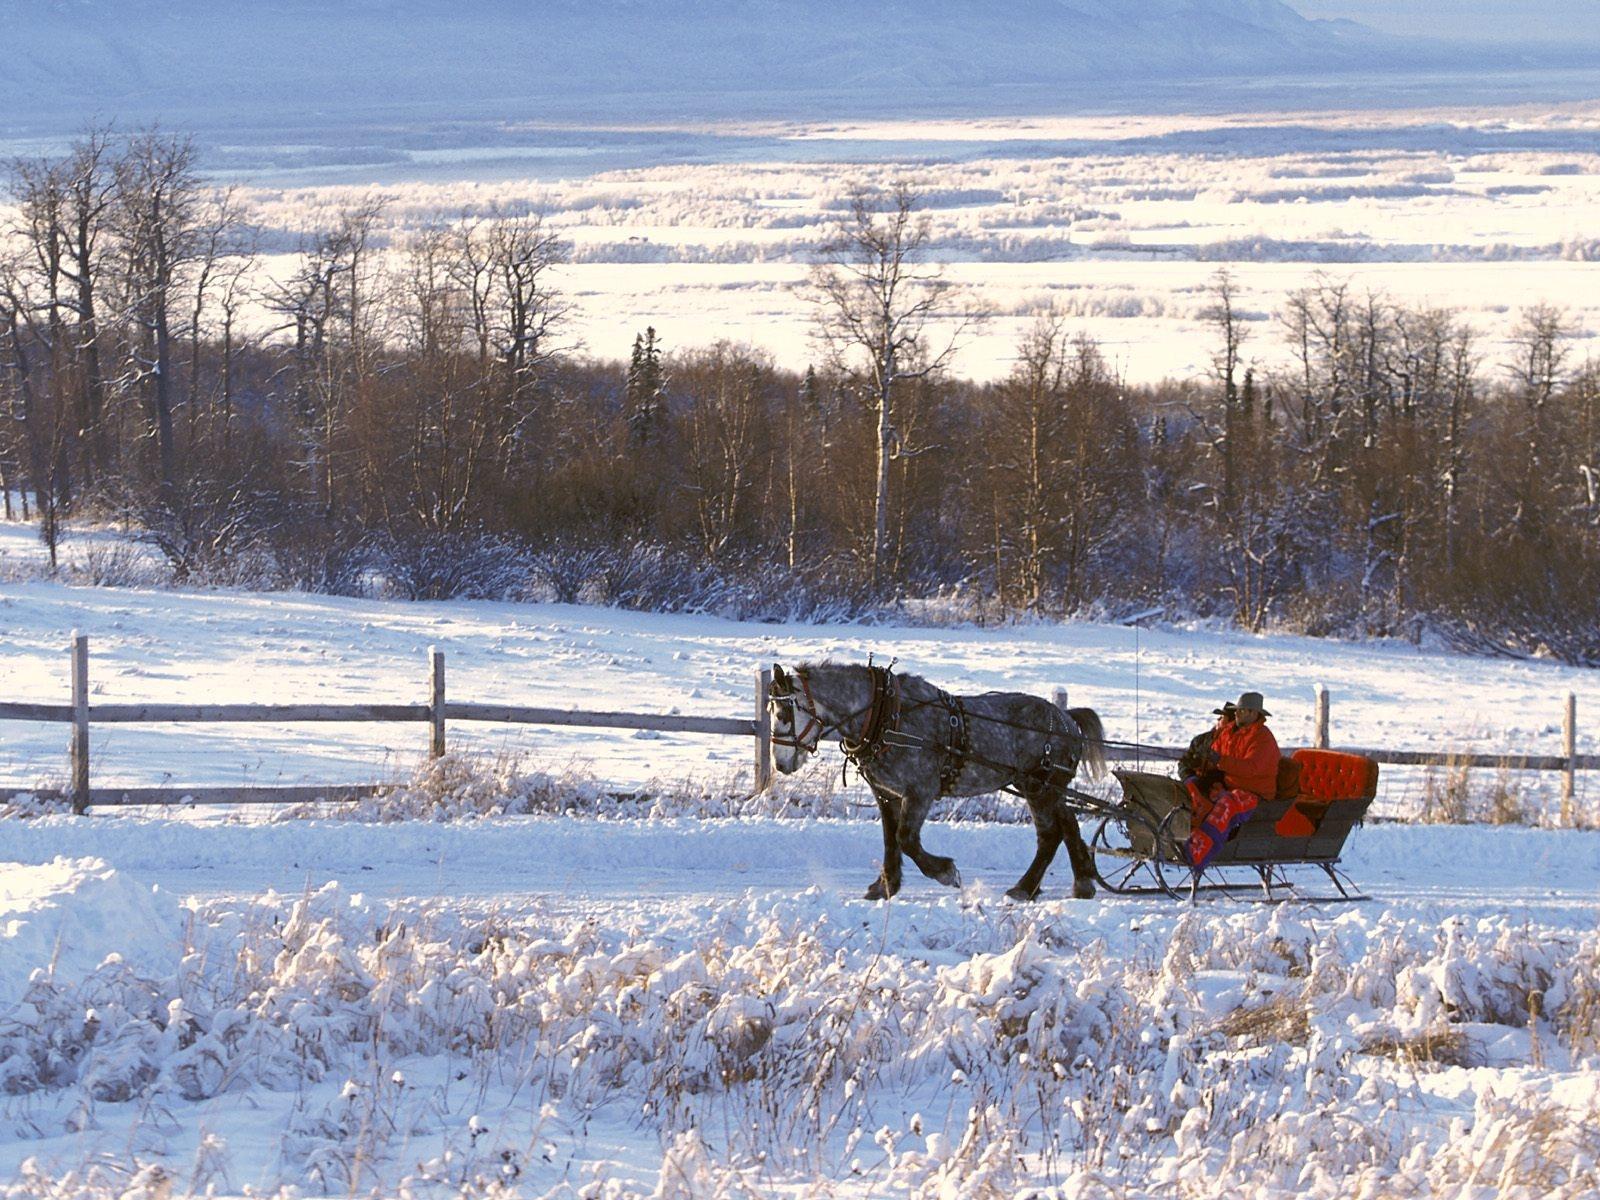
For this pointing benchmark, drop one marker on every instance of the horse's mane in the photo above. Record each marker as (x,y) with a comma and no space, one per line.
(913,685)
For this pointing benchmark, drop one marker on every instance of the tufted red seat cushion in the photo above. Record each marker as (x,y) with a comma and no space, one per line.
(1335,775)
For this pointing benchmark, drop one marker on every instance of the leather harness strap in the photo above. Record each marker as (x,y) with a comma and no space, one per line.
(883,717)
(956,751)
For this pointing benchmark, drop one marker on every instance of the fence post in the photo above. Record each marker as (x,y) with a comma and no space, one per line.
(436,703)
(80,722)
(763,730)
(1320,737)
(1569,747)
(1059,696)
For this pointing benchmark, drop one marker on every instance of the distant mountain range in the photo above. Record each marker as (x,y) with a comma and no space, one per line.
(277,65)
(69,60)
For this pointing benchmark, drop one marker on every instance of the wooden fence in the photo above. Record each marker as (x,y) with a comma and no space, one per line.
(435,713)
(439,710)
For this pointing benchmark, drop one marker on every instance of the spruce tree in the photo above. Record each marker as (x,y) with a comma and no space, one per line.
(646,383)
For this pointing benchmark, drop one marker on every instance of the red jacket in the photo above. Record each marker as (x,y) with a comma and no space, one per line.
(1248,758)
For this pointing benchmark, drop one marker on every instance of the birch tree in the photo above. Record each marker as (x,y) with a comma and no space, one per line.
(877,296)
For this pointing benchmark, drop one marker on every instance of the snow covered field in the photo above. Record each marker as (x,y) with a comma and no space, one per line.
(1117,222)
(576,1008)
(705,230)
(195,1002)
(581,1006)
(1153,686)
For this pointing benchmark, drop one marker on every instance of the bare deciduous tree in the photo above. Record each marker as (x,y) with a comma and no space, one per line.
(878,297)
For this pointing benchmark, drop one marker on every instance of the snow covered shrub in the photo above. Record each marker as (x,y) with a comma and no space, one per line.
(1521,1144)
(1572,1003)
(428,565)
(1444,1046)
(652,577)
(117,564)
(315,555)
(1446,793)
(1224,1050)
(645,576)
(1504,803)
(107,1176)
(208,530)
(470,786)
(986,1162)
(464,787)
(102,1034)
(1452,794)
(25,805)
(563,570)
(689,1171)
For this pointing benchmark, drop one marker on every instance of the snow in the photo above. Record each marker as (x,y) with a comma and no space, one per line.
(1151,685)
(575,1006)
(198,1001)
(654,1004)
(71,914)
(706,229)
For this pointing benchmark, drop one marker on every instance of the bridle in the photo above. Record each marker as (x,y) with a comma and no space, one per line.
(879,716)
(808,738)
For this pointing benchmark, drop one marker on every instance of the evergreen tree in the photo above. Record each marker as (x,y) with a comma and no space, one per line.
(643,398)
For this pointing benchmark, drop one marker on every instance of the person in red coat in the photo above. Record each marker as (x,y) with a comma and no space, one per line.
(1247,755)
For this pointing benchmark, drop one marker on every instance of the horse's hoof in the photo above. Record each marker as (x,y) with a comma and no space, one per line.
(879,891)
(950,877)
(1083,889)
(1021,895)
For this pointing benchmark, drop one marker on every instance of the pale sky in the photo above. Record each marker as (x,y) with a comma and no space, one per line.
(1478,20)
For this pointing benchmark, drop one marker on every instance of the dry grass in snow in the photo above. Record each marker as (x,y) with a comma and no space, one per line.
(803,1045)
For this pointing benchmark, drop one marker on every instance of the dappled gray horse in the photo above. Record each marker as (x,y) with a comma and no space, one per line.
(913,742)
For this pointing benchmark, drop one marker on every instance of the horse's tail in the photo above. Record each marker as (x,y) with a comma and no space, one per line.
(1094,746)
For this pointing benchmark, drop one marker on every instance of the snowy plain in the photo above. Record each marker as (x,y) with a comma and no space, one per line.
(565,1007)
(1153,686)
(1118,223)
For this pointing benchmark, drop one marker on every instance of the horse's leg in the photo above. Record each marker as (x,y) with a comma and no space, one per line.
(912,815)
(1047,832)
(888,881)
(1080,854)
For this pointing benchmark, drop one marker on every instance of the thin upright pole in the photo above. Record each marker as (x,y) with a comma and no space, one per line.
(763,775)
(1569,747)
(436,703)
(80,722)
(1321,734)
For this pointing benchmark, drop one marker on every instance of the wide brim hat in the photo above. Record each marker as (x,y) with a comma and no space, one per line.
(1227,707)
(1253,700)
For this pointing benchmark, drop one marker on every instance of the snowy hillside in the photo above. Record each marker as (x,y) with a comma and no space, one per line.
(183,58)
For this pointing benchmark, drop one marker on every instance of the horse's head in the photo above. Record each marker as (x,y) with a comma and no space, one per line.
(796,728)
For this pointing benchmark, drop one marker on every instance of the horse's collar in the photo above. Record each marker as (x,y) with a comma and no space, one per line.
(882,717)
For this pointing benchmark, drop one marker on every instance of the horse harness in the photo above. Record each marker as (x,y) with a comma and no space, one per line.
(882,718)
(959,745)
(881,729)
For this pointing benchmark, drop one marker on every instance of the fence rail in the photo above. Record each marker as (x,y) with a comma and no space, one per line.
(439,710)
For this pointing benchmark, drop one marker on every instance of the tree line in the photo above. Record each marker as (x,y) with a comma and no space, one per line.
(400,411)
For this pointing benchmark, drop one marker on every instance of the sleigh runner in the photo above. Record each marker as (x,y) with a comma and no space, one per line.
(1140,846)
